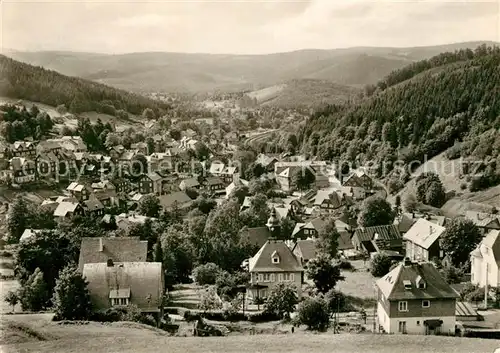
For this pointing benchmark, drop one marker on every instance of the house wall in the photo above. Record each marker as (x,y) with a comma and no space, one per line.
(389,317)
(415,325)
(485,271)
(438,307)
(274,279)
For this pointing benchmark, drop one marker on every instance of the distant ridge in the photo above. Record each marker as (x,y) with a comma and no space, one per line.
(182,72)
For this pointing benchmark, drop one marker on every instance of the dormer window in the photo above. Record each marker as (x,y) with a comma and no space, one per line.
(275,258)
(420,283)
(407,284)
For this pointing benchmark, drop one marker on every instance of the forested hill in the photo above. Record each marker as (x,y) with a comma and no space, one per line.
(420,110)
(24,81)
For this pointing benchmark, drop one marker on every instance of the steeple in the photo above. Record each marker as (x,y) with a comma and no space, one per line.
(273,223)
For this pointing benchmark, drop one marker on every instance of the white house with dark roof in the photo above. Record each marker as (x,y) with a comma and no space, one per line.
(485,261)
(273,263)
(120,284)
(413,298)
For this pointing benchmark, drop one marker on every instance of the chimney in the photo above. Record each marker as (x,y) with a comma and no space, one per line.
(101,245)
(110,263)
(431,230)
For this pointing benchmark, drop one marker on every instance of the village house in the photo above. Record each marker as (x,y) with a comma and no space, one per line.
(126,221)
(414,298)
(216,168)
(160,161)
(272,264)
(267,162)
(376,239)
(122,185)
(118,249)
(79,191)
(309,229)
(28,233)
(406,220)
(228,173)
(329,201)
(485,261)
(354,186)
(423,241)
(214,185)
(189,183)
(179,200)
(93,207)
(237,181)
(150,183)
(68,209)
(23,170)
(305,250)
(46,165)
(484,221)
(141,147)
(285,171)
(117,285)
(26,149)
(72,144)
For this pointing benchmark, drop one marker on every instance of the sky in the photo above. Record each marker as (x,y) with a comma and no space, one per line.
(241,27)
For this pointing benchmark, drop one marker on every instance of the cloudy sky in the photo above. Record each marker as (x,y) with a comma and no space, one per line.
(244,26)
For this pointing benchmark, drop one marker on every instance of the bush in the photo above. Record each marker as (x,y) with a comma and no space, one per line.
(314,313)
(206,274)
(344,264)
(190,316)
(380,265)
(263,317)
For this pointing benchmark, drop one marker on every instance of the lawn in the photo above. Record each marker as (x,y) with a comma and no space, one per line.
(35,335)
(359,283)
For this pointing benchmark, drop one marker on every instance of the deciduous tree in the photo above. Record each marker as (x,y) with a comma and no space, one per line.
(71,296)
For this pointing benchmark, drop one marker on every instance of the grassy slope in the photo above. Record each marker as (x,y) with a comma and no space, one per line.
(449,173)
(201,72)
(28,333)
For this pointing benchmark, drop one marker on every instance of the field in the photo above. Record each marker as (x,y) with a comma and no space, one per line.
(358,283)
(34,333)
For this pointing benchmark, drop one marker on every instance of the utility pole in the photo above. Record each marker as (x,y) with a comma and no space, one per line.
(486,289)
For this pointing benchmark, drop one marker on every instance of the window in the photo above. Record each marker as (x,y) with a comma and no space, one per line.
(418,323)
(403,306)
(267,277)
(276,260)
(287,277)
(306,231)
(402,326)
(426,303)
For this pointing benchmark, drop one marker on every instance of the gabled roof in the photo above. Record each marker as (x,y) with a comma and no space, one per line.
(387,232)
(306,248)
(229,170)
(352,180)
(424,233)
(255,236)
(141,281)
(179,197)
(118,249)
(153,176)
(64,208)
(216,168)
(262,261)
(28,233)
(190,183)
(344,241)
(213,181)
(265,160)
(483,220)
(392,284)
(93,205)
(492,241)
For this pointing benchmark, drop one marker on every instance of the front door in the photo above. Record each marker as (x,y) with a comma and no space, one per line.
(402,326)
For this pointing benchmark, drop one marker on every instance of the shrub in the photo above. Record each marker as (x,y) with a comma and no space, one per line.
(189,316)
(380,265)
(263,317)
(206,274)
(336,301)
(345,264)
(314,313)
(71,296)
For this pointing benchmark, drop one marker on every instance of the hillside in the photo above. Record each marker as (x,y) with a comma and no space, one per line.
(419,117)
(304,93)
(22,81)
(27,333)
(179,72)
